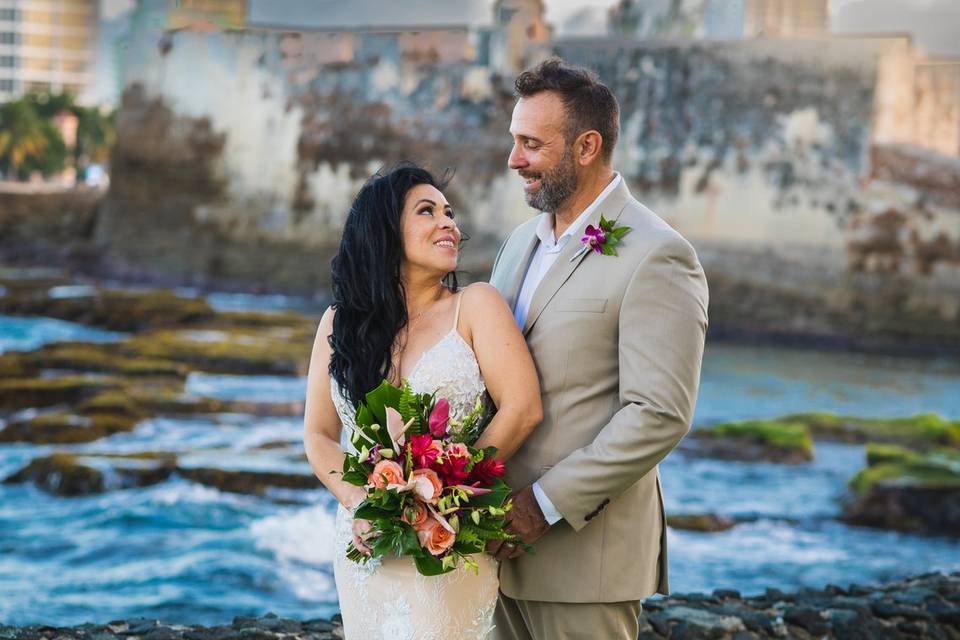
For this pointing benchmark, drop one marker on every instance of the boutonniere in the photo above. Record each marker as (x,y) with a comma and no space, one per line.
(601,239)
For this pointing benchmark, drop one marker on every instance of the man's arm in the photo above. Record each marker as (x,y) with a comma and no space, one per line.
(662,327)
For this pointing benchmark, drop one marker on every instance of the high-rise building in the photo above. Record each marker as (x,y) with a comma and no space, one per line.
(47,46)
(737,19)
(786,18)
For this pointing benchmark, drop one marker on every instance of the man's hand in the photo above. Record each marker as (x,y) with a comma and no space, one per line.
(525,520)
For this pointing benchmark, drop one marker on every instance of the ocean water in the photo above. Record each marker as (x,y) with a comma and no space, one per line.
(186,553)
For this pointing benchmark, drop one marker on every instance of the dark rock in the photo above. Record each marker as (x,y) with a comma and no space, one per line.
(855,604)
(163,633)
(753,441)
(806,618)
(249,482)
(255,633)
(74,475)
(660,623)
(724,594)
(140,626)
(758,623)
(22,393)
(317,625)
(885,609)
(775,595)
(707,522)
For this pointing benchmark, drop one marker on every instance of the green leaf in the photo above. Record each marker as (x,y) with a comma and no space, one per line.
(386,395)
(619,232)
(429,565)
(409,543)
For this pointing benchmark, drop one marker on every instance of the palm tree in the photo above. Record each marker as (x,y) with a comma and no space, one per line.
(23,136)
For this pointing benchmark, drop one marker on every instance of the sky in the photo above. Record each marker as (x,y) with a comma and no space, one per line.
(935,24)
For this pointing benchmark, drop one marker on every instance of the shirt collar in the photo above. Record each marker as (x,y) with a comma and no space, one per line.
(545,225)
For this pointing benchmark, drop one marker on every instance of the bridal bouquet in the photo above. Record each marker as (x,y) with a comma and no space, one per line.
(430,494)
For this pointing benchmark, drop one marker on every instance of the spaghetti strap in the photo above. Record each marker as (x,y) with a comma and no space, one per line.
(456,314)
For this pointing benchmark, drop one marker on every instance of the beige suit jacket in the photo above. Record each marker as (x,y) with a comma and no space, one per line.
(618,342)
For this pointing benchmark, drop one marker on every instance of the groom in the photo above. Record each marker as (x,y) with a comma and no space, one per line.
(617,340)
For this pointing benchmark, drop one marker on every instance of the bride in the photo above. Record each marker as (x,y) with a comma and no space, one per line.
(397,314)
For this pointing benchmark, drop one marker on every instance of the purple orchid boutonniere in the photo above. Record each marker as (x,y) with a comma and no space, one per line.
(601,239)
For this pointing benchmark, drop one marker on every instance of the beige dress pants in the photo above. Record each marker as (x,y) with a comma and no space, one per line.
(533,620)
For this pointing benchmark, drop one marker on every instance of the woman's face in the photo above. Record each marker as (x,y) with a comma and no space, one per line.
(431,239)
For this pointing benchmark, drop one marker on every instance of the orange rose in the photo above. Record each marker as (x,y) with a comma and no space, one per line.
(415,515)
(434,538)
(426,485)
(386,472)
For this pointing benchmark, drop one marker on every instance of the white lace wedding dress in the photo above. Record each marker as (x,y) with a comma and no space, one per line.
(387,599)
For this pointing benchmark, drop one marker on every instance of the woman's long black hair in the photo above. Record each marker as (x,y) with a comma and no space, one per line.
(368,295)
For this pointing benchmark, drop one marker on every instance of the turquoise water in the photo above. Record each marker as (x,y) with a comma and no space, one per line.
(23,334)
(187,553)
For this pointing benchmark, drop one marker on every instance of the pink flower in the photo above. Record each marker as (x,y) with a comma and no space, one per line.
(457,450)
(434,537)
(386,472)
(425,450)
(426,485)
(439,418)
(395,427)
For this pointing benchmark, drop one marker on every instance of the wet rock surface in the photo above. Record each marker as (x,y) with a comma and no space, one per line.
(926,606)
(753,441)
(906,490)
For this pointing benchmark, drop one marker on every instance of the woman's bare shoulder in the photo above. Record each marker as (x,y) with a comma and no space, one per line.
(482,295)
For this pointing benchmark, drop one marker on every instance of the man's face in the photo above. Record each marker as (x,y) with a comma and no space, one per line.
(541,153)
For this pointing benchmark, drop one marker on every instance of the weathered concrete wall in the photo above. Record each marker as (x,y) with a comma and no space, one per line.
(48,224)
(777,158)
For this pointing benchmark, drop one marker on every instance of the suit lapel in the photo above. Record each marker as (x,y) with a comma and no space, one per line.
(566,263)
(516,268)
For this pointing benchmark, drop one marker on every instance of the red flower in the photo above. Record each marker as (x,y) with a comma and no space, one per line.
(487,470)
(424,450)
(453,469)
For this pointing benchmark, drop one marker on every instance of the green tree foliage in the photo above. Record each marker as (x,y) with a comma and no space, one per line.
(29,141)
(23,137)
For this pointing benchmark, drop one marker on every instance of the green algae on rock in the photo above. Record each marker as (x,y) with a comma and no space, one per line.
(919,432)
(702,522)
(23,393)
(247,481)
(75,475)
(906,490)
(111,309)
(231,351)
(755,440)
(66,428)
(99,357)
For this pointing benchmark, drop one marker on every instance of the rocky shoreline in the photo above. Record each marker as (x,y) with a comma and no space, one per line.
(925,606)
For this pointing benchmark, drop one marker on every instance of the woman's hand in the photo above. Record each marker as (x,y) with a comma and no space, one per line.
(354,497)
(361,531)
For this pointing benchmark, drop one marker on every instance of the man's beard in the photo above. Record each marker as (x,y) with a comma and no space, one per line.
(556,185)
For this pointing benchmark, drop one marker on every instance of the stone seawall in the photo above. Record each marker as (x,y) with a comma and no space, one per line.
(926,606)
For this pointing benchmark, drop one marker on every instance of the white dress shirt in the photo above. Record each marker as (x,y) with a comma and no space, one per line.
(546,253)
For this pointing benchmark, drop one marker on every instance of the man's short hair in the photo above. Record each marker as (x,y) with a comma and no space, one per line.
(590,105)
